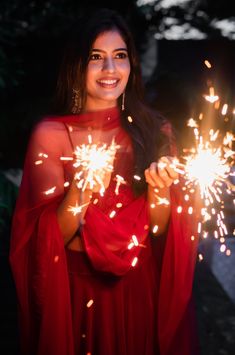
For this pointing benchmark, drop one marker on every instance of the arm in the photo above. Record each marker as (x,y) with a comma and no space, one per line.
(50,139)
(47,173)
(69,222)
(160,176)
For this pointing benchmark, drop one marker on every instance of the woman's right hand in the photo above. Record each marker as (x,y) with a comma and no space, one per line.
(95,182)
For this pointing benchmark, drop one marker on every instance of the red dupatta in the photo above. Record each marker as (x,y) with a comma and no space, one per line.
(37,253)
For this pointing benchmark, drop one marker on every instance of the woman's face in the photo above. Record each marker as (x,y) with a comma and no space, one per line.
(107,72)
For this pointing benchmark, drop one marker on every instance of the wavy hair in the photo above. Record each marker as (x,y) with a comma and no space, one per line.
(148,138)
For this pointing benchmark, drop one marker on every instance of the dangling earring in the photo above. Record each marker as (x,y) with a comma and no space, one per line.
(77,104)
(123,101)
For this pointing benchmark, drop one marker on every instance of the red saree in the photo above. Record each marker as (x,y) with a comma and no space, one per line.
(132,309)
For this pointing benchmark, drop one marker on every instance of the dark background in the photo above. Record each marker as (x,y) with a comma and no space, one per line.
(31,42)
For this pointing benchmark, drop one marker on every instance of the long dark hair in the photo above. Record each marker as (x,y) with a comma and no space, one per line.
(149,141)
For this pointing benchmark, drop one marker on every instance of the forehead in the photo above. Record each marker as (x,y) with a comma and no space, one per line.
(109,40)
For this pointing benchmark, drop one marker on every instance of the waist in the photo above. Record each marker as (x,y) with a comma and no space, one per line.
(79,263)
(75,244)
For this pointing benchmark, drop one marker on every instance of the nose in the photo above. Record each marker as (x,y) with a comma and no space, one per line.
(109,65)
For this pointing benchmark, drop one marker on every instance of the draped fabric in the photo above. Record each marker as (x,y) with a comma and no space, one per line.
(38,256)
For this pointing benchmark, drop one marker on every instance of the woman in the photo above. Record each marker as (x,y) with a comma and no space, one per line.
(102,266)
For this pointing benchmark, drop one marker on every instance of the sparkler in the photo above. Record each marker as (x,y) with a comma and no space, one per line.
(95,162)
(208,166)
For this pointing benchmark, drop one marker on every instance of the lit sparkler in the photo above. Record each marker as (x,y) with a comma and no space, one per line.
(208,166)
(95,161)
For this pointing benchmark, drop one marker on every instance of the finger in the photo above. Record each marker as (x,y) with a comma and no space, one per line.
(158,179)
(169,164)
(153,179)
(159,174)
(148,178)
(163,174)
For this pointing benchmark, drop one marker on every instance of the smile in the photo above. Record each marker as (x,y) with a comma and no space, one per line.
(108,82)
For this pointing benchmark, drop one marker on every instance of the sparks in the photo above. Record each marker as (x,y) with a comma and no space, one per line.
(192,123)
(155,229)
(44,155)
(95,161)
(179,209)
(119,180)
(136,177)
(89,303)
(135,240)
(207,63)
(50,191)
(134,262)
(112,214)
(38,162)
(77,209)
(119,205)
(162,201)
(200,257)
(207,168)
(211,97)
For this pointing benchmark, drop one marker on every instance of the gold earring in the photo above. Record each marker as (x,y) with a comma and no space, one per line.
(77,104)
(123,101)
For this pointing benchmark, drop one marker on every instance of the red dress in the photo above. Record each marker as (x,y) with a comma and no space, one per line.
(112,298)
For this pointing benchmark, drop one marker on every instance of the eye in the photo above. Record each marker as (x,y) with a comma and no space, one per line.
(95,56)
(121,55)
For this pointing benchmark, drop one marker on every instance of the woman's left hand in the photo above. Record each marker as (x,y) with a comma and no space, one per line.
(161,174)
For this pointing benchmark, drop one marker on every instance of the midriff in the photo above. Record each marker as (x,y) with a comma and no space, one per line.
(75,244)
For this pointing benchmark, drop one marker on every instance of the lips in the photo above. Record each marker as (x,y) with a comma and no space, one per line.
(108,83)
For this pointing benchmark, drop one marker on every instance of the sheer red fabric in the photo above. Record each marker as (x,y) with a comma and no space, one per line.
(47,307)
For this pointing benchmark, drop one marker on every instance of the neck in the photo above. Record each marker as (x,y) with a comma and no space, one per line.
(90,105)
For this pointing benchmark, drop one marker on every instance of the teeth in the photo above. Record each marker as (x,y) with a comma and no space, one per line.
(108,82)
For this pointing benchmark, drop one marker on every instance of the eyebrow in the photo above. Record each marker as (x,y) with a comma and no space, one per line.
(115,50)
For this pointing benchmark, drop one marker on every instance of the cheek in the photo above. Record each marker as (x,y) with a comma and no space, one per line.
(92,70)
(124,69)
(90,75)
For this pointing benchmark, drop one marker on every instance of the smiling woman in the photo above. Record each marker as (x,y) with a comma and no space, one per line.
(107,72)
(102,262)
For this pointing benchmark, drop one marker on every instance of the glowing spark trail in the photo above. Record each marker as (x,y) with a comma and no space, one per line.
(211,97)
(76,209)
(95,161)
(119,180)
(50,191)
(207,166)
